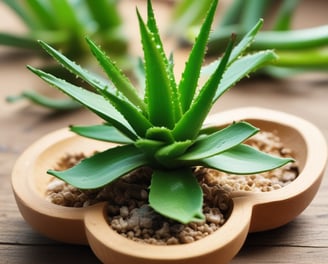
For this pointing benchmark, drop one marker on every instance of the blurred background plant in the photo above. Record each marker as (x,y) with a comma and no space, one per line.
(299,50)
(64,24)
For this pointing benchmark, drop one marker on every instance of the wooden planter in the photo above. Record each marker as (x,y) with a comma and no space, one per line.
(251,212)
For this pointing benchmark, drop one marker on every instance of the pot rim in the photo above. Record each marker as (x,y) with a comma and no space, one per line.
(315,144)
(245,203)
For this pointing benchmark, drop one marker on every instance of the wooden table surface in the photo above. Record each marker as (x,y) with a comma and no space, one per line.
(304,240)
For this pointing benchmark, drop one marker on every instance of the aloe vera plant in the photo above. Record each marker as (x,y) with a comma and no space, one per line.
(163,126)
(298,50)
(64,24)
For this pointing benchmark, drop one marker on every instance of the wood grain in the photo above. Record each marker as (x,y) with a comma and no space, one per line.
(303,241)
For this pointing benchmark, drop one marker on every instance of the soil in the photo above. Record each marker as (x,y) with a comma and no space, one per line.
(131,216)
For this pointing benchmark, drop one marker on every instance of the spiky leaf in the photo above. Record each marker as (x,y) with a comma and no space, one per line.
(120,81)
(93,172)
(241,68)
(158,86)
(193,119)
(94,102)
(94,80)
(131,113)
(152,26)
(243,159)
(101,132)
(189,80)
(220,141)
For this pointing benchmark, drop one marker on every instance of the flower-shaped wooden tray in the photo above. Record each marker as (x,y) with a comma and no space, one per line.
(251,211)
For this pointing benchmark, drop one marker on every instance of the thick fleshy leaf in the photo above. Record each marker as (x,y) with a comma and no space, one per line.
(243,44)
(37,98)
(121,82)
(101,132)
(68,17)
(284,16)
(167,155)
(176,194)
(131,113)
(100,10)
(159,96)
(220,141)
(189,125)
(103,167)
(246,41)
(43,13)
(93,101)
(241,68)
(152,26)
(8,39)
(244,159)
(161,134)
(252,12)
(149,147)
(94,80)
(190,75)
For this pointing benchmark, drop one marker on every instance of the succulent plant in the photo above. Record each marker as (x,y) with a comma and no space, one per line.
(298,50)
(162,127)
(64,24)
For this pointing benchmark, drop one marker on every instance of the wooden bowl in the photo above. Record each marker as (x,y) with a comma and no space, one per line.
(251,211)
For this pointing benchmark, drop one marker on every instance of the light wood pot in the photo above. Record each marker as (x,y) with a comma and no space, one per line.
(251,212)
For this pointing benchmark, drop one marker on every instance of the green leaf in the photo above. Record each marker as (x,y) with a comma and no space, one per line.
(167,155)
(121,82)
(246,41)
(252,12)
(100,11)
(303,59)
(242,67)
(237,51)
(220,141)
(159,94)
(25,42)
(149,147)
(94,102)
(243,159)
(94,80)
(44,101)
(190,75)
(176,194)
(292,39)
(43,13)
(187,14)
(160,133)
(191,122)
(68,17)
(103,167)
(131,113)
(284,16)
(152,26)
(104,132)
